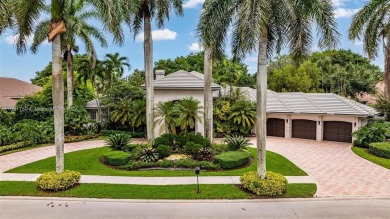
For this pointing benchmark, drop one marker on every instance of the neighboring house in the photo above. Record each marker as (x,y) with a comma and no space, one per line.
(372,98)
(317,116)
(12,90)
(93,111)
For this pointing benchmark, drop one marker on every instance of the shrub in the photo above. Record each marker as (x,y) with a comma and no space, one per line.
(232,159)
(164,150)
(375,132)
(76,120)
(185,163)
(34,131)
(197,138)
(165,139)
(15,146)
(116,158)
(132,134)
(56,182)
(380,149)
(6,136)
(236,142)
(204,154)
(219,148)
(118,141)
(6,118)
(69,139)
(149,155)
(274,184)
(192,148)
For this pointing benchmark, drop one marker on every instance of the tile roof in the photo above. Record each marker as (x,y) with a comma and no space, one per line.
(182,80)
(12,89)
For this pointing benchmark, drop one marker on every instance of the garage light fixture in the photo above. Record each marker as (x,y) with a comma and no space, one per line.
(287,121)
(319,122)
(354,124)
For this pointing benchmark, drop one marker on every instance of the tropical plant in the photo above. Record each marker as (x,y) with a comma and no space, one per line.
(6,16)
(204,154)
(118,141)
(383,105)
(138,113)
(189,112)
(166,117)
(6,118)
(265,26)
(243,113)
(6,135)
(115,64)
(236,142)
(371,26)
(76,120)
(149,155)
(143,11)
(375,132)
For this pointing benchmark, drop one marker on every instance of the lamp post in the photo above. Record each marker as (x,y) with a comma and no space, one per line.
(197,172)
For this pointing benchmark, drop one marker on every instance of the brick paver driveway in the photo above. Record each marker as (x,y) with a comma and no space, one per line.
(336,168)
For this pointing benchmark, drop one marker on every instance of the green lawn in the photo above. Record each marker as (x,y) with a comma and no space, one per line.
(378,160)
(116,191)
(87,163)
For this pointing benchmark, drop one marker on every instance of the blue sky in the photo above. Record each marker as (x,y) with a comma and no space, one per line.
(175,39)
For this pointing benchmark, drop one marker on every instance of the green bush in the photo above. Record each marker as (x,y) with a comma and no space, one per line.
(58,182)
(131,134)
(184,163)
(375,132)
(192,148)
(15,146)
(164,150)
(274,184)
(219,148)
(232,159)
(118,141)
(34,108)
(69,139)
(116,158)
(149,155)
(6,136)
(6,118)
(165,139)
(76,120)
(380,149)
(34,131)
(236,142)
(197,138)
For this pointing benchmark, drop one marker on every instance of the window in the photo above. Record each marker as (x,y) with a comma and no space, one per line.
(92,115)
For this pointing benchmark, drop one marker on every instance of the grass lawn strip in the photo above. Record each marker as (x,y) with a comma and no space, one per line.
(116,191)
(362,152)
(87,163)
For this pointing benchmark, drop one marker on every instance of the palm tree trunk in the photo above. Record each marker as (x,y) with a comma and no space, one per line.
(261,104)
(148,58)
(387,70)
(58,102)
(70,77)
(208,96)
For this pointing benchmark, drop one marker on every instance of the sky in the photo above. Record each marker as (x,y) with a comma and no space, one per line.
(175,39)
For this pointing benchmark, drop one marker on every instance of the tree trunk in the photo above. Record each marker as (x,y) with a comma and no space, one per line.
(70,77)
(387,70)
(261,104)
(208,95)
(58,102)
(148,58)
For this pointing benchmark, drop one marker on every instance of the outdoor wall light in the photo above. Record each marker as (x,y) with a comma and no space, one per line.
(197,172)
(354,124)
(319,122)
(287,121)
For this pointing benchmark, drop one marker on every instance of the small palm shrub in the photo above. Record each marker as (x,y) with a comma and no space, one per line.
(236,142)
(149,155)
(164,150)
(375,132)
(118,141)
(204,154)
(274,184)
(58,182)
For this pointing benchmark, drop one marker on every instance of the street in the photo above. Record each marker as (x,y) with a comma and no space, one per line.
(29,207)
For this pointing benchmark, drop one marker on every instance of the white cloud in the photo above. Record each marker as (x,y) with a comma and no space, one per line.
(338,3)
(252,59)
(11,39)
(358,43)
(345,12)
(192,3)
(195,47)
(158,35)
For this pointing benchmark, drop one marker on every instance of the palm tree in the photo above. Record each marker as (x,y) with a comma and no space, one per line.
(26,14)
(144,11)
(138,113)
(371,24)
(6,16)
(75,14)
(122,112)
(115,64)
(243,112)
(189,112)
(166,117)
(265,26)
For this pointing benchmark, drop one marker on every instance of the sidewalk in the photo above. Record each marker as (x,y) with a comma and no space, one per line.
(188,180)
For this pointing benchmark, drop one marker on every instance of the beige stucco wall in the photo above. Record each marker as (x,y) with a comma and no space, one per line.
(171,95)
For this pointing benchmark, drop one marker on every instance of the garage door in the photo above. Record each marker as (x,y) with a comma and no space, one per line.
(275,127)
(302,128)
(338,131)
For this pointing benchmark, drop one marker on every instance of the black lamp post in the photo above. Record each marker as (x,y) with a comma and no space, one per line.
(197,172)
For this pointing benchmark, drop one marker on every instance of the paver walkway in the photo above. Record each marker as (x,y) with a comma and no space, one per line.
(336,168)
(186,180)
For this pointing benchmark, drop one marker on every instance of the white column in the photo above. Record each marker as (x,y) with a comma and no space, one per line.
(320,128)
(288,127)
(356,124)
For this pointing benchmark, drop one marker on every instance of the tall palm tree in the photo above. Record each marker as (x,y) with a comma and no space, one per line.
(138,113)
(166,117)
(115,64)
(6,16)
(75,14)
(26,14)
(189,112)
(144,11)
(265,26)
(372,25)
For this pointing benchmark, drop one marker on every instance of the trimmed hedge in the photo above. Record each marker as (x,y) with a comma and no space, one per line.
(274,184)
(116,158)
(380,149)
(69,139)
(232,159)
(185,163)
(58,182)
(15,146)
(131,134)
